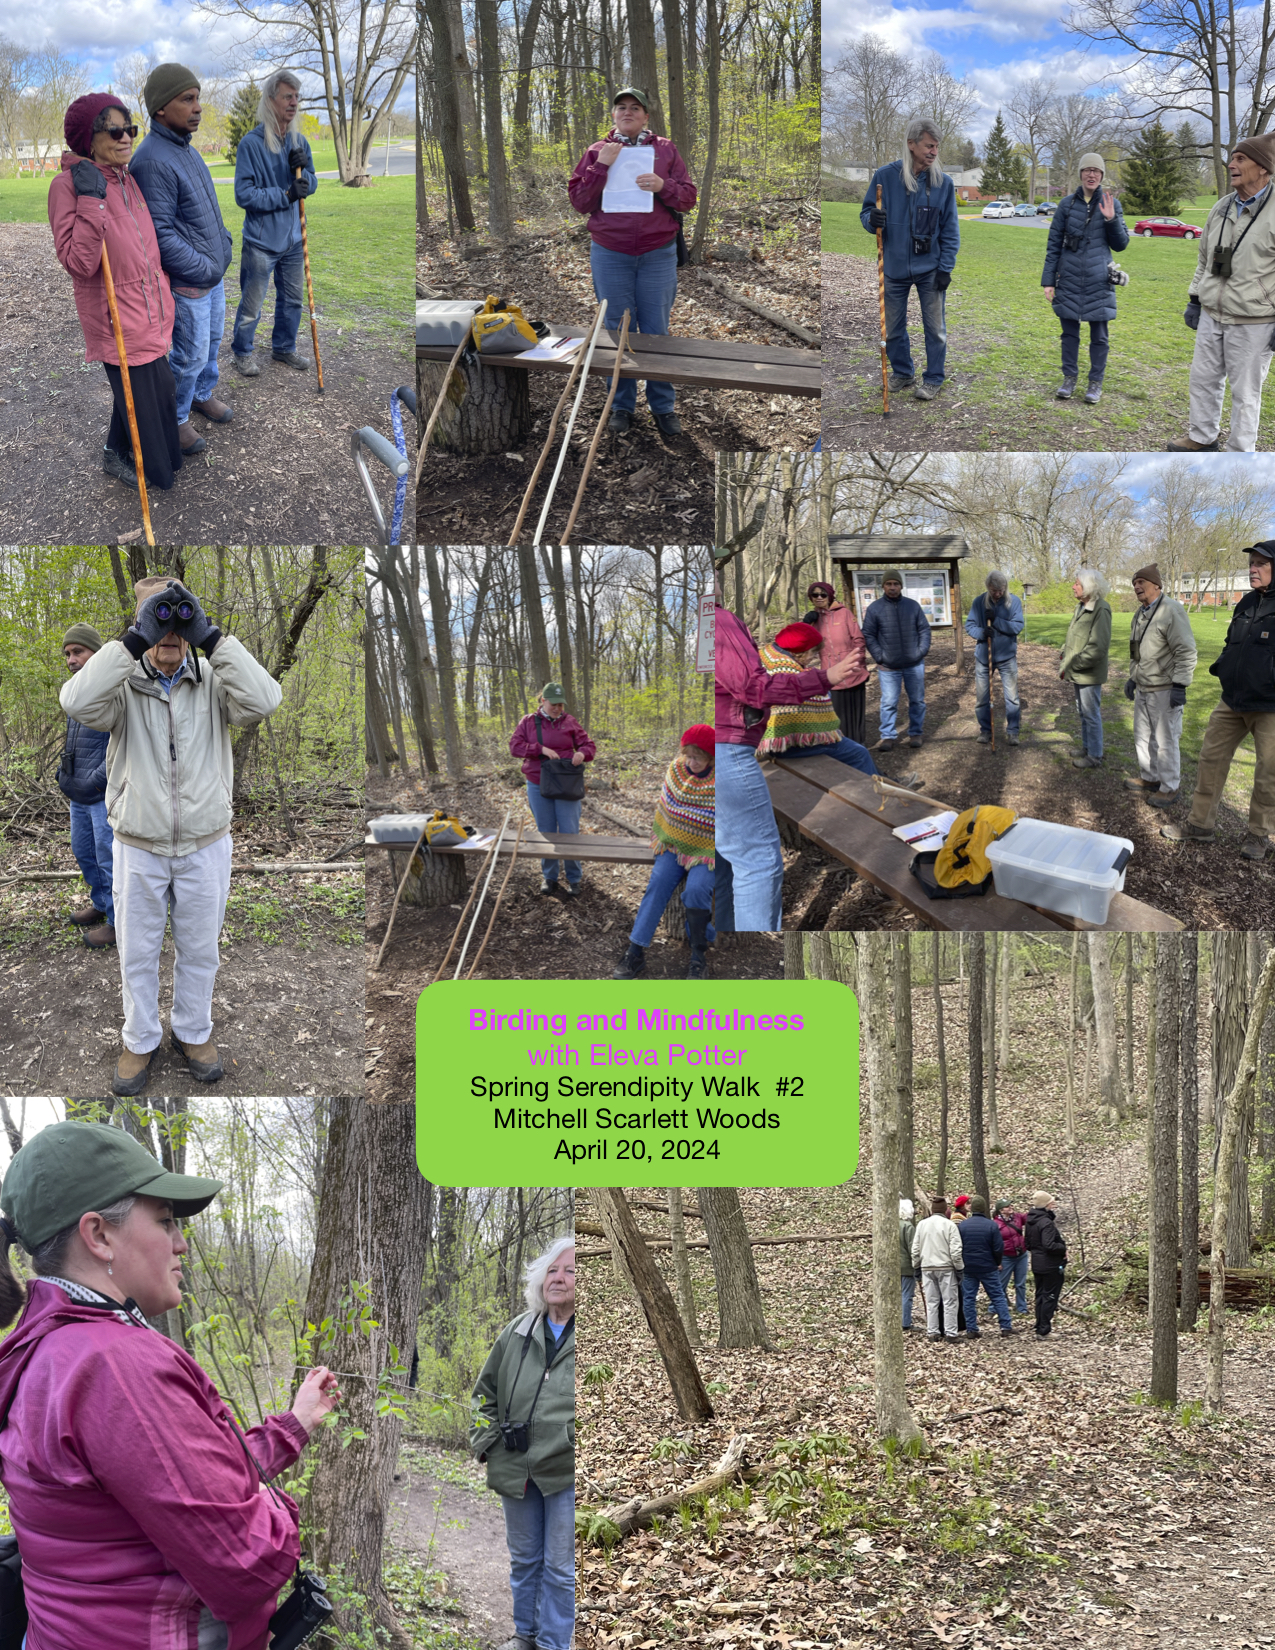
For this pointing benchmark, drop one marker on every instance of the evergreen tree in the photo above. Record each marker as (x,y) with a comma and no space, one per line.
(242,117)
(1003,171)
(1190,155)
(1153,175)
(967,156)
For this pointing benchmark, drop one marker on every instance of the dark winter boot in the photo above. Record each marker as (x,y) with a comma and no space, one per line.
(1066,389)
(697,928)
(632,964)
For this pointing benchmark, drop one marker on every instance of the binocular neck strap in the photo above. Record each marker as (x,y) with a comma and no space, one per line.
(526,1342)
(1252,219)
(243,1444)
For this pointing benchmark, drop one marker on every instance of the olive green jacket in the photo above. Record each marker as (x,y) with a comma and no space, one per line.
(1086,651)
(551,1459)
(1165,649)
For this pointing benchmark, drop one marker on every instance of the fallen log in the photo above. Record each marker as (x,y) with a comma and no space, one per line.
(965,1415)
(612,820)
(756,1243)
(639,1515)
(1246,1286)
(771,315)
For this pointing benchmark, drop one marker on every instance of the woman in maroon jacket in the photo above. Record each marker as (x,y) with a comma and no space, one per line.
(634,253)
(550,732)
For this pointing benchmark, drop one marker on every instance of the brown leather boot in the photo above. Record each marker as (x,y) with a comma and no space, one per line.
(216,412)
(190,439)
(132,1072)
(1189,446)
(200,1059)
(97,939)
(86,916)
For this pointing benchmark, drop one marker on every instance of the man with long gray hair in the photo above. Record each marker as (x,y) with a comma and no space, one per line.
(268,186)
(995,622)
(920,238)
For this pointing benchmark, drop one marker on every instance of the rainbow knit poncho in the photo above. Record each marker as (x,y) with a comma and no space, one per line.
(683,823)
(813,722)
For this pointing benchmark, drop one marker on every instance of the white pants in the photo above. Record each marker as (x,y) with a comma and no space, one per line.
(939,1284)
(1240,353)
(151,890)
(1157,736)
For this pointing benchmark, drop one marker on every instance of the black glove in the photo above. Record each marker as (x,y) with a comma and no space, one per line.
(1130,690)
(1177,696)
(299,188)
(876,219)
(148,627)
(197,629)
(943,279)
(88,179)
(298,157)
(1191,314)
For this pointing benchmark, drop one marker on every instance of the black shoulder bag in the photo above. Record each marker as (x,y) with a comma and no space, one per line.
(13,1603)
(683,256)
(560,780)
(307,1607)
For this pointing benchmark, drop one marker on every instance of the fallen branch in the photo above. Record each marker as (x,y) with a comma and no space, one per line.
(612,820)
(771,315)
(755,1243)
(638,1514)
(965,1415)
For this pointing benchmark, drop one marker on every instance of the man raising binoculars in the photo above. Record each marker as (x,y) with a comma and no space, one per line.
(169,784)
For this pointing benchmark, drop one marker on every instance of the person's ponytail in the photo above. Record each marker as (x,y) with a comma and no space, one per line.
(12,1291)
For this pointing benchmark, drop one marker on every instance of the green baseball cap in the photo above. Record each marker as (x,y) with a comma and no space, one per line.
(632,91)
(70,1168)
(552,693)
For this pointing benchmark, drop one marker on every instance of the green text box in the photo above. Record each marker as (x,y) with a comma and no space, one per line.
(604,1083)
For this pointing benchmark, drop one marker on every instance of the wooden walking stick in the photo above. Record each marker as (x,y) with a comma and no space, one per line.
(553,423)
(597,434)
(309,288)
(128,394)
(885,369)
(438,405)
(991,704)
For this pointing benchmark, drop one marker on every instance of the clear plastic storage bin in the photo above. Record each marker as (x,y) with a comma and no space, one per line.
(397,827)
(1060,868)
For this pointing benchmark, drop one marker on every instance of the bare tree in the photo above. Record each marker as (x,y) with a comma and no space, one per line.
(1163,1176)
(1110,1085)
(741,1320)
(1077,122)
(903,1060)
(1229,1017)
(978,971)
(682,1265)
(1189,1079)
(870,86)
(936,957)
(1029,117)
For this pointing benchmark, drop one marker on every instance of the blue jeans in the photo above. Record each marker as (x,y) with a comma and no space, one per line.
(991,1282)
(646,286)
(908,1281)
(1089,704)
(983,695)
(913,679)
(552,814)
(255,269)
(747,834)
(540,1530)
(92,843)
(1016,1267)
(666,876)
(198,324)
(933,319)
(845,750)
(723,891)
(1099,344)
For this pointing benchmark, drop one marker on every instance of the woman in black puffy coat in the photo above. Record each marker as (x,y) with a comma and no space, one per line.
(1087,229)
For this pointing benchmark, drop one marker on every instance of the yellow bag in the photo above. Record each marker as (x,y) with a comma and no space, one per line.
(445,831)
(963,857)
(500,328)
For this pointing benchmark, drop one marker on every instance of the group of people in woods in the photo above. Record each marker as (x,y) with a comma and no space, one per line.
(156,216)
(954,1252)
(911,203)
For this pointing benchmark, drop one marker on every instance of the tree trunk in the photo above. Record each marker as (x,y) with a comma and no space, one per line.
(940,1186)
(903,1061)
(989,1048)
(677,128)
(1163,1176)
(390,567)
(533,614)
(446,666)
(463,77)
(450,134)
(978,975)
(1007,965)
(433,881)
(1152,1047)
(1266,1135)
(373,1233)
(713,19)
(1230,1009)
(682,1265)
(741,1321)
(485,410)
(1110,1086)
(1189,1077)
(1070,1124)
(643,59)
(498,219)
(1128,1016)
(631,1253)
(522,90)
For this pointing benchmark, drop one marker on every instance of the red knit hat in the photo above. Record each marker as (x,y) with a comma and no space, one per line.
(798,638)
(702,737)
(961,1201)
(77,124)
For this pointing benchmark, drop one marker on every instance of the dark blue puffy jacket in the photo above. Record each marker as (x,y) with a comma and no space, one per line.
(982,1244)
(924,211)
(1079,279)
(897,632)
(82,770)
(1007,623)
(194,244)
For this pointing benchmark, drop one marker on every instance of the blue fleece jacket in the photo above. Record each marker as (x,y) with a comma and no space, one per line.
(1007,623)
(82,770)
(982,1245)
(897,632)
(194,244)
(925,212)
(272,222)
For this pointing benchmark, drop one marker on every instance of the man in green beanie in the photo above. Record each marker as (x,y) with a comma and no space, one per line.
(82,780)
(194,244)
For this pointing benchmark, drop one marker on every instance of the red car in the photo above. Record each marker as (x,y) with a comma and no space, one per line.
(1168,226)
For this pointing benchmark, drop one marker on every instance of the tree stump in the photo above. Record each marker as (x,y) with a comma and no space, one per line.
(434,880)
(673,922)
(485,410)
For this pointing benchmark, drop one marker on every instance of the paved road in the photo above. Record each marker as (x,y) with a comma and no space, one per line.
(402,164)
(1016,223)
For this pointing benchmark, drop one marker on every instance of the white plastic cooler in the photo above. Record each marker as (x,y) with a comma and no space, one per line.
(1060,868)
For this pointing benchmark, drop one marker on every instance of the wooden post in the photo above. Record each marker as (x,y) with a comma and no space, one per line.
(848,575)
(434,880)
(958,623)
(486,409)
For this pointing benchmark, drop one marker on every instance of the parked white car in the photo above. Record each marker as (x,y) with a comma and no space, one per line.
(998,209)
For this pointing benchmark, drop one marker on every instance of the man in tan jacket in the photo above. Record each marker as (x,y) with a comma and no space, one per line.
(1162,656)
(1232,304)
(169,782)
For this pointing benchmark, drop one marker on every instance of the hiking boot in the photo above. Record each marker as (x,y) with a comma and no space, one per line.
(632,963)
(247,366)
(667,423)
(1189,446)
(131,1072)
(1086,761)
(926,392)
(86,916)
(1142,784)
(191,441)
(973,1334)
(900,386)
(119,469)
(216,412)
(97,939)
(697,927)
(984,738)
(517,1642)
(1093,393)
(290,358)
(1011,738)
(887,744)
(1065,390)
(570,890)
(934,1337)
(620,422)
(1187,832)
(1010,1331)
(914,741)
(547,887)
(1255,847)
(200,1059)
(1162,799)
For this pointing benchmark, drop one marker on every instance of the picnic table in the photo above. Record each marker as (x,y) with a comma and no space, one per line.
(441,873)
(841,810)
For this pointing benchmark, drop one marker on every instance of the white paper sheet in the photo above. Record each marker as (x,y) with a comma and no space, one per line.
(927,833)
(551,349)
(620,192)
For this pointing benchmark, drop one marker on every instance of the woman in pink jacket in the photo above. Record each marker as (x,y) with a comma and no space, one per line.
(842,639)
(635,252)
(141,1510)
(549,733)
(94,202)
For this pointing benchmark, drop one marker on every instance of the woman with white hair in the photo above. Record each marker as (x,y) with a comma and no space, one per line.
(525,1430)
(920,238)
(273,172)
(1084,661)
(908,1269)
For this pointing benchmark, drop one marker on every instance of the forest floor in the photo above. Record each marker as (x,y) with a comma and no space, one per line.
(280,471)
(1205,886)
(286,1003)
(643,487)
(1057,1504)
(442,1511)
(539,937)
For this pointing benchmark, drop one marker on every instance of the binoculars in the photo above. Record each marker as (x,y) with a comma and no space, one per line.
(1222,256)
(182,611)
(306,1609)
(514,1436)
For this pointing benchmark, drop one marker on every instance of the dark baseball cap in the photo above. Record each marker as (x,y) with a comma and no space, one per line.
(68,1169)
(632,91)
(1264,547)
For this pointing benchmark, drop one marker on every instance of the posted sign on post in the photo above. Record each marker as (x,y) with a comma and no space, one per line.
(704,636)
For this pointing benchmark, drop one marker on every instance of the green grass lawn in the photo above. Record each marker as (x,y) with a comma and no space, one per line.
(362,248)
(323,155)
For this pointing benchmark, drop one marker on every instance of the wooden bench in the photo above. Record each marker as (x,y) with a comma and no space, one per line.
(438,877)
(488,414)
(839,809)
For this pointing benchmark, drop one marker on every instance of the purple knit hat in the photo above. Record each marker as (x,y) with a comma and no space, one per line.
(78,123)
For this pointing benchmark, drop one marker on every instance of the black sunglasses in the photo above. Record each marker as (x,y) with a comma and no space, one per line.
(115,133)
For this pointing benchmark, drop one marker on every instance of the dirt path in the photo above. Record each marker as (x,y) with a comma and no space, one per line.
(466,1531)
(281,470)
